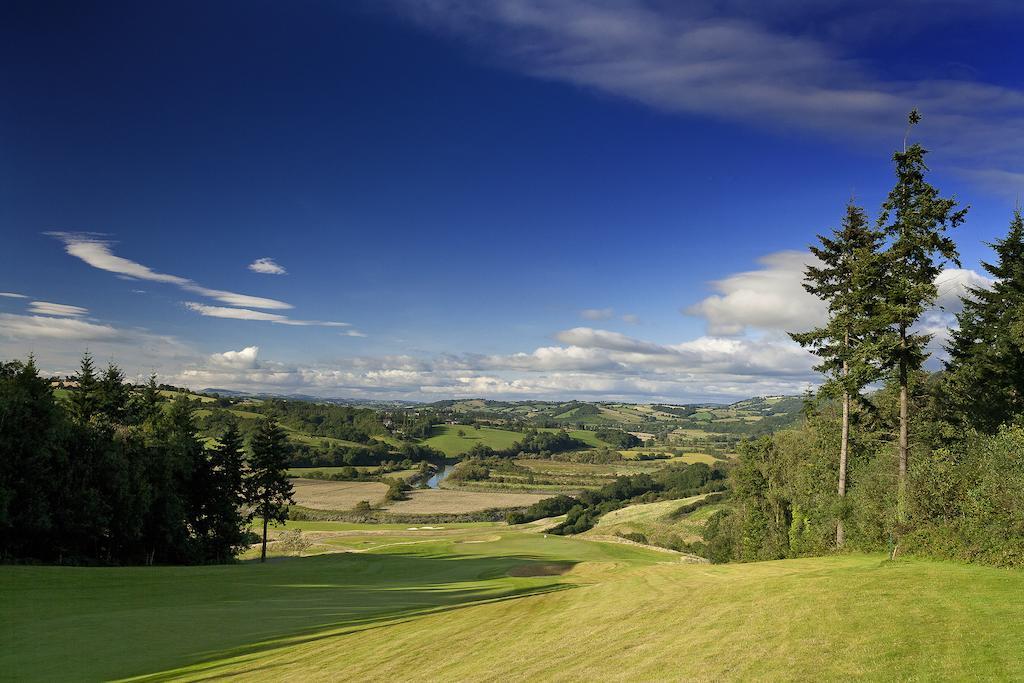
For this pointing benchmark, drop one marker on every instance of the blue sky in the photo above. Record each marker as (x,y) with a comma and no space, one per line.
(505,199)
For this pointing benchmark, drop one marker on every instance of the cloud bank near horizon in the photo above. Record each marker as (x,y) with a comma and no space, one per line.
(745,351)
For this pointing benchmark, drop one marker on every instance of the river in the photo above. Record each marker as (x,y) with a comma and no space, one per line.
(435,481)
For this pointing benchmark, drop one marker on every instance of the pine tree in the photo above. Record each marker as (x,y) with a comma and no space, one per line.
(267,485)
(915,219)
(848,281)
(84,400)
(112,394)
(227,520)
(987,348)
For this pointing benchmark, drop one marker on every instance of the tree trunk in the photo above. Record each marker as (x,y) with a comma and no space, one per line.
(901,490)
(843,451)
(263,552)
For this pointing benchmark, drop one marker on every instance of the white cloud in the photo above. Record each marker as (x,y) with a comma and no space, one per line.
(596,313)
(267,266)
(631,318)
(603,339)
(47,308)
(954,283)
(12,295)
(249,314)
(27,327)
(771,297)
(244,359)
(352,333)
(96,252)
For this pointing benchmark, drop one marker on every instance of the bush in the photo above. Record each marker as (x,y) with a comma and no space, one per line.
(294,542)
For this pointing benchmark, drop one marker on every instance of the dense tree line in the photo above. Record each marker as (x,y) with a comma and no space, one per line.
(116,475)
(930,463)
(616,438)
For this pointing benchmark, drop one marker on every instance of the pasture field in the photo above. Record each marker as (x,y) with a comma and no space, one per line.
(478,603)
(446,438)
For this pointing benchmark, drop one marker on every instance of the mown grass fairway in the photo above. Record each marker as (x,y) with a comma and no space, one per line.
(63,623)
(485,602)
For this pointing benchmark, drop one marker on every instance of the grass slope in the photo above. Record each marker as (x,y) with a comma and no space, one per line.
(656,521)
(466,604)
(446,438)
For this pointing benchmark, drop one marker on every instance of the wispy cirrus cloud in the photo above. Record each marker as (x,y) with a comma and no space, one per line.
(29,327)
(267,266)
(96,251)
(249,314)
(756,63)
(48,308)
(12,295)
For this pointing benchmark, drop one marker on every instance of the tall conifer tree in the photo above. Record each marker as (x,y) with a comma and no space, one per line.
(84,400)
(987,348)
(267,485)
(847,280)
(915,219)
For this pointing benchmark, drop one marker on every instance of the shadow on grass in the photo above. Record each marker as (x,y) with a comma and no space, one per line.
(329,596)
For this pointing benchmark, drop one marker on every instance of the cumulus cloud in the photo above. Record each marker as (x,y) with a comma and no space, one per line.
(249,314)
(47,308)
(12,295)
(748,62)
(97,253)
(599,363)
(267,266)
(596,313)
(771,297)
(954,284)
(588,337)
(244,359)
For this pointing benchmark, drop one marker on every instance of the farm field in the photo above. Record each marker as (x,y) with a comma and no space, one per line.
(512,605)
(321,494)
(443,501)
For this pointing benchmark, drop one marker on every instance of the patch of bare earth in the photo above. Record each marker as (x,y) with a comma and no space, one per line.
(336,495)
(541,569)
(437,501)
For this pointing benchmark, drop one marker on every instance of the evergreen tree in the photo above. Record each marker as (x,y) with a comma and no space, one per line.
(915,219)
(149,404)
(987,349)
(848,281)
(30,421)
(267,487)
(84,400)
(228,499)
(113,395)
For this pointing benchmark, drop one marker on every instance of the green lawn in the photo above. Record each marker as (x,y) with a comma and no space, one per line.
(61,623)
(444,606)
(446,438)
